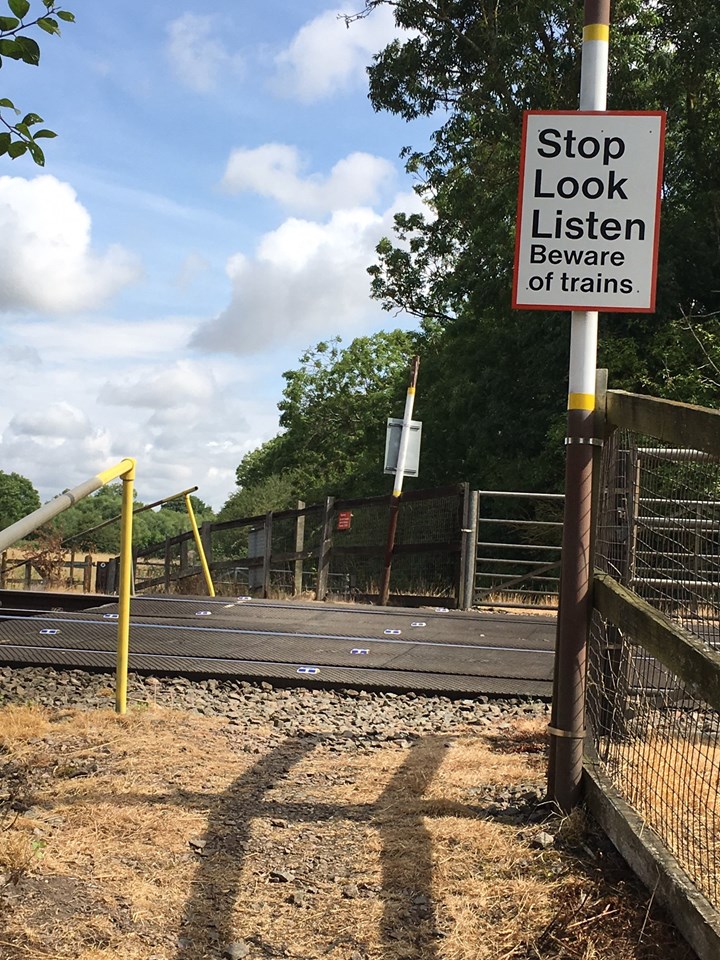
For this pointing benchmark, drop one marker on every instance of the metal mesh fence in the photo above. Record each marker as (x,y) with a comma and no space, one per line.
(417,569)
(659,528)
(655,737)
(660,745)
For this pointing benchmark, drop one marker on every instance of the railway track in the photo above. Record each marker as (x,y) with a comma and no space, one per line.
(429,650)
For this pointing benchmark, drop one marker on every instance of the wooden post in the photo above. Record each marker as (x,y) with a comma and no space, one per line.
(299,547)
(3,570)
(112,575)
(168,560)
(28,575)
(183,557)
(71,578)
(87,573)
(267,553)
(206,539)
(325,550)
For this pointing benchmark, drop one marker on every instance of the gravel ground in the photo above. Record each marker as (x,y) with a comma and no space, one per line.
(358,720)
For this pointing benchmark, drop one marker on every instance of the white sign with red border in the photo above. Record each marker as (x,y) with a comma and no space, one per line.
(589,211)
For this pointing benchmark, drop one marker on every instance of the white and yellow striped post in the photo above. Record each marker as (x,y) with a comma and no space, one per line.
(567,725)
(398,484)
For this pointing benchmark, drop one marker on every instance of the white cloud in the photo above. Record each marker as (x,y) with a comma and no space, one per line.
(326,57)
(307,279)
(167,387)
(275,170)
(46,262)
(192,267)
(60,420)
(198,57)
(102,339)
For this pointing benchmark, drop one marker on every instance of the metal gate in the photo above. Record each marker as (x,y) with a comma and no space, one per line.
(518,549)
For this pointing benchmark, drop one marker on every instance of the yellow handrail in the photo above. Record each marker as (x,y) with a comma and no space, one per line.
(200,547)
(16,531)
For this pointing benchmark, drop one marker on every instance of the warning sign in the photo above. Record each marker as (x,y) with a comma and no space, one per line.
(589,211)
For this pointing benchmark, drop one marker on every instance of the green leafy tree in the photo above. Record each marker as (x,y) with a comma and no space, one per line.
(201,509)
(333,413)
(494,380)
(18,498)
(19,136)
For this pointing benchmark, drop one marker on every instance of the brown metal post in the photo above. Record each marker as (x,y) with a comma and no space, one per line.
(389,550)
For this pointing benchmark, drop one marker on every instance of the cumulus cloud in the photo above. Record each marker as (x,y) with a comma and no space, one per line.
(46,261)
(103,338)
(307,279)
(326,57)
(182,383)
(276,170)
(58,421)
(197,55)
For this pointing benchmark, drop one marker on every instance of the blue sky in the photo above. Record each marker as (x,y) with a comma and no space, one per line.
(207,212)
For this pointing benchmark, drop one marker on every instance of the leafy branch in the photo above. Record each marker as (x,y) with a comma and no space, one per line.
(18,137)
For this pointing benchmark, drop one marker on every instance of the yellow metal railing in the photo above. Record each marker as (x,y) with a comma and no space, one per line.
(16,531)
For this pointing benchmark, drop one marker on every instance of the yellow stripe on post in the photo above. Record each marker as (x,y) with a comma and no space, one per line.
(596,31)
(581,401)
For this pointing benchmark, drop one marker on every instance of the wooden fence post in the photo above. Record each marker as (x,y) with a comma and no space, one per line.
(87,573)
(325,549)
(168,559)
(267,553)
(28,575)
(3,570)
(206,529)
(299,547)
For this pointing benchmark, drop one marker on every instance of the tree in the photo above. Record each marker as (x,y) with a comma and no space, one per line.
(201,509)
(334,409)
(495,378)
(18,137)
(18,498)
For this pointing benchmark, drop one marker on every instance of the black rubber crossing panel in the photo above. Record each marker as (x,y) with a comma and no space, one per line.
(414,649)
(291,673)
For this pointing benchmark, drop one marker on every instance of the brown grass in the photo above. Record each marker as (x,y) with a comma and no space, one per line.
(156,836)
(672,782)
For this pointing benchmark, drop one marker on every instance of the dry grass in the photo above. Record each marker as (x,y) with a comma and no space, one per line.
(672,782)
(156,836)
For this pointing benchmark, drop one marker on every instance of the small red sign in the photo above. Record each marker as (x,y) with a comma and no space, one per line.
(344,520)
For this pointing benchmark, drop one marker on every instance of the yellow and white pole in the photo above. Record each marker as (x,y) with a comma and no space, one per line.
(567,726)
(398,484)
(125,587)
(200,547)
